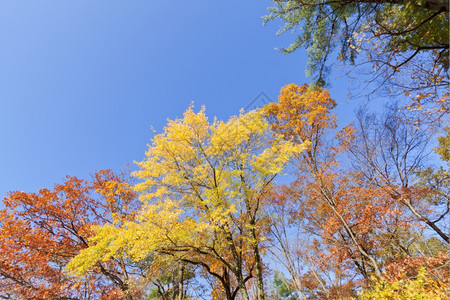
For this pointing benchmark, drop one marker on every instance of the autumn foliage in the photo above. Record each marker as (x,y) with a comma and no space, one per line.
(362,220)
(41,232)
(360,214)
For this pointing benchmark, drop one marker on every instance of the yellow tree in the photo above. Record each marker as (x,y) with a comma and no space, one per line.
(203,187)
(423,286)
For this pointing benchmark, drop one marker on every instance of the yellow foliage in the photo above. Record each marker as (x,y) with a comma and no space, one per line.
(423,287)
(202,187)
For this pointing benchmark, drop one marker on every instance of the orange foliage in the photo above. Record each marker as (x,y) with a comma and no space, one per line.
(357,227)
(41,232)
(301,114)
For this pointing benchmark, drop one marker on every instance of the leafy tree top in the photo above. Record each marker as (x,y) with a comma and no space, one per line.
(395,37)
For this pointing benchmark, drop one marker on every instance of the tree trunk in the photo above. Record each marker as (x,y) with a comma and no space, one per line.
(181,284)
(258,265)
(242,288)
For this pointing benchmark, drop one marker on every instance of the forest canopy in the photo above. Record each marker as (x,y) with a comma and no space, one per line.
(208,215)
(284,201)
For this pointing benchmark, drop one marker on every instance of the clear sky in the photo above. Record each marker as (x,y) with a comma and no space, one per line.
(82,82)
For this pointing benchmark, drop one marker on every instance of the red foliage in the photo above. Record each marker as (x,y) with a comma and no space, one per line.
(41,232)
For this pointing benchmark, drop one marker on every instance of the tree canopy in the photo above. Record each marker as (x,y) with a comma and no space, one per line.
(41,232)
(404,43)
(361,215)
(278,202)
(204,186)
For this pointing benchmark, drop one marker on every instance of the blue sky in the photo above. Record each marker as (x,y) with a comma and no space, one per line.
(82,82)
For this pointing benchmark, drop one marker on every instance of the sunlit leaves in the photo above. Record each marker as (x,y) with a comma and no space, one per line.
(41,232)
(203,187)
(423,286)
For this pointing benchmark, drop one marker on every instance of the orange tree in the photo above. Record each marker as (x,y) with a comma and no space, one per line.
(355,227)
(40,232)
